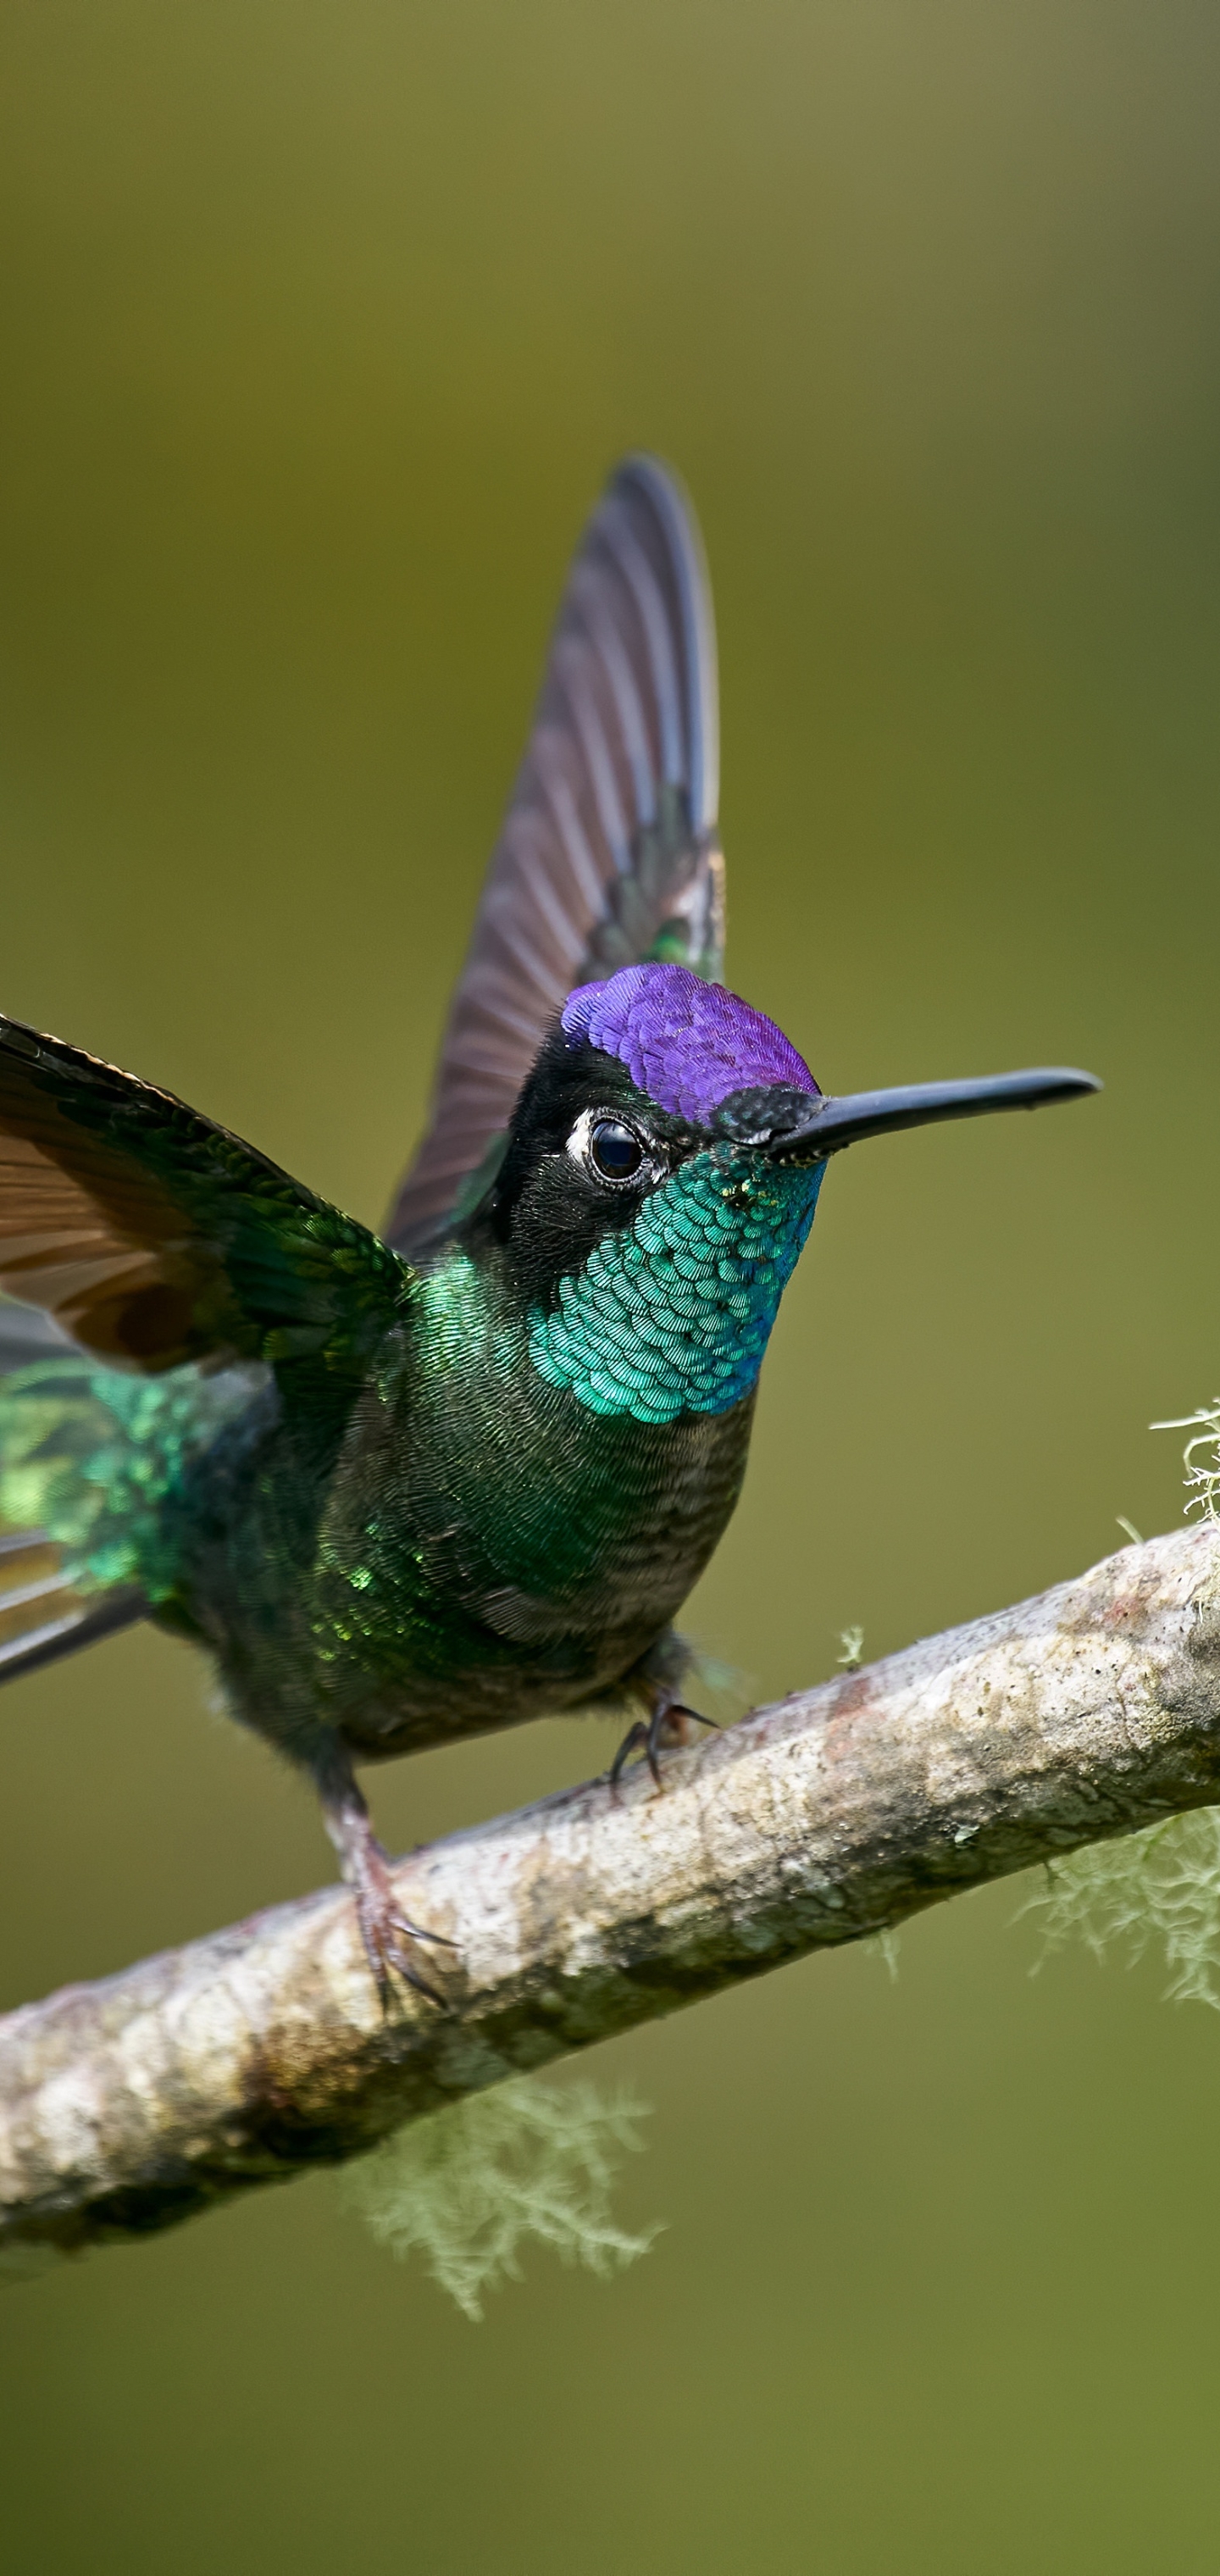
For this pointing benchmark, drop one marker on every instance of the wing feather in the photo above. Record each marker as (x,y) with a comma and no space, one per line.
(608,854)
(152,1237)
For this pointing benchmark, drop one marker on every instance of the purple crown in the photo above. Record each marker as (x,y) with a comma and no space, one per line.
(686,1043)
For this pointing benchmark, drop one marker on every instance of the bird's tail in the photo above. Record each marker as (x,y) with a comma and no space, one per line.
(44,1613)
(55,1592)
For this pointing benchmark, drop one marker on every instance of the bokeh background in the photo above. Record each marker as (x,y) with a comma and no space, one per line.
(322,325)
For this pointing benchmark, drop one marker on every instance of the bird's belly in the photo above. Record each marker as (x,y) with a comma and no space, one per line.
(514,1595)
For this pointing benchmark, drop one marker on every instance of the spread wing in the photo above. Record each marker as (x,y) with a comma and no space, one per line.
(153,1237)
(609,851)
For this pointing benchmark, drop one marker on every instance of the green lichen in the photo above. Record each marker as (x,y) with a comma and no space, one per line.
(1159,1889)
(885,1945)
(1200,1457)
(465,2188)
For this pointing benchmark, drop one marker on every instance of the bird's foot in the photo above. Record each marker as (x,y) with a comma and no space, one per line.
(384,1929)
(668,1727)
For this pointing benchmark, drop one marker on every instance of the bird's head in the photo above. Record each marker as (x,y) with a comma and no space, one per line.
(661,1174)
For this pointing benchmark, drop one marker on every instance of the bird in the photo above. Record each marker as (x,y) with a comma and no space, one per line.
(410,1487)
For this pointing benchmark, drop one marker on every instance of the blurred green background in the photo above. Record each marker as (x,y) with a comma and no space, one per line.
(322,326)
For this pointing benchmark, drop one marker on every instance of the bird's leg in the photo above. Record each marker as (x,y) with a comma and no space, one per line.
(668,1725)
(384,1929)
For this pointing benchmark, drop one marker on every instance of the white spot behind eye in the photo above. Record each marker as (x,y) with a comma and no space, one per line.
(578,1141)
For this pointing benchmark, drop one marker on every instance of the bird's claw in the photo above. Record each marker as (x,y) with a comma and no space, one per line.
(384,1929)
(661,1733)
(420,1932)
(385,1933)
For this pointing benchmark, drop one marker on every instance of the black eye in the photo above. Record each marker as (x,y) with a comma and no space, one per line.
(614,1150)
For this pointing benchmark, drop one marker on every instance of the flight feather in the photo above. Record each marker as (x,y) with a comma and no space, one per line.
(609,854)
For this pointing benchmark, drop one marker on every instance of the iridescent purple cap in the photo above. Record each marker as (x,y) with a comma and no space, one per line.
(686,1043)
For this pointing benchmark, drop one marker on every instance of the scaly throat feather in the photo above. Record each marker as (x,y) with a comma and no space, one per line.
(672,1314)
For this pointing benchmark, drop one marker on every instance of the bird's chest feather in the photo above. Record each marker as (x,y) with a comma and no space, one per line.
(536,1491)
(481,1516)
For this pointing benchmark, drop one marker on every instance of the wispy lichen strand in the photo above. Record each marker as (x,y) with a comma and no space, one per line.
(1159,1889)
(1200,1457)
(467,2188)
(1155,1890)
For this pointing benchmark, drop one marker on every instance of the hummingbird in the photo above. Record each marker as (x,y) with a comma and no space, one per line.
(408,1487)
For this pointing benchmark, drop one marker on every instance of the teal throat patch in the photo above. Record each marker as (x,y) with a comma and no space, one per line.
(672,1313)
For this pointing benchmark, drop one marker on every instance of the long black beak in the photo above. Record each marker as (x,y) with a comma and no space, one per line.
(803,1127)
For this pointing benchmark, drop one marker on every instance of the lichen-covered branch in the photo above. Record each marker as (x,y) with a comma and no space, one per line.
(243,2058)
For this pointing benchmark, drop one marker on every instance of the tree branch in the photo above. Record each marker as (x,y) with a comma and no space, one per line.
(243,2058)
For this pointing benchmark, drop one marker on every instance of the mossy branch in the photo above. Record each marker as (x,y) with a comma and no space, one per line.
(247,2057)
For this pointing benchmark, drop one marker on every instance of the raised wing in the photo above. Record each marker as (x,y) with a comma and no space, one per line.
(609,851)
(153,1237)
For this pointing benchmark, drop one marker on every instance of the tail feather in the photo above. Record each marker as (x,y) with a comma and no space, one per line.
(43,1614)
(27,1335)
(88,1454)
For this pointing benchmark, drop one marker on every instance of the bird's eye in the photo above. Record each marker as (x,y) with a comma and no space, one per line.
(615,1150)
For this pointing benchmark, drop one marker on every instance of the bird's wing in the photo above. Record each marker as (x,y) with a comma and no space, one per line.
(609,852)
(153,1237)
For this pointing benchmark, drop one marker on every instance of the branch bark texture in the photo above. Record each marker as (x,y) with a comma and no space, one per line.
(246,2057)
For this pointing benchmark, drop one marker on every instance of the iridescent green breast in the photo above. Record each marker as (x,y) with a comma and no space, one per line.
(672,1314)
